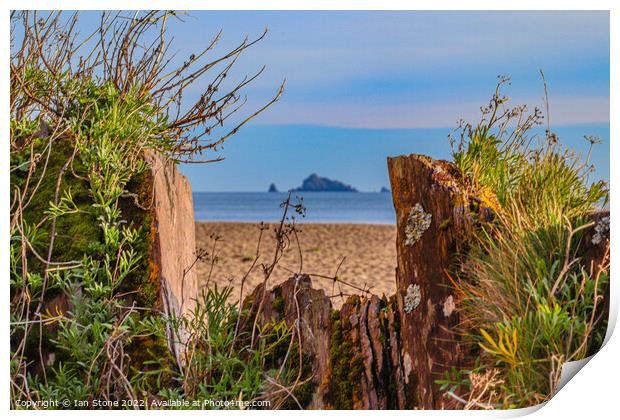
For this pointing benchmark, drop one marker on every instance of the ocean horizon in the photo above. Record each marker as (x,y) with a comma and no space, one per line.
(321,207)
(265,154)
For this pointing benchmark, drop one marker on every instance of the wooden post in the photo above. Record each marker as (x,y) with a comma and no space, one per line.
(432,216)
(354,353)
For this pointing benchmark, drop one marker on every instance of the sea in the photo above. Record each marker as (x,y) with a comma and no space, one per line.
(261,155)
(320,207)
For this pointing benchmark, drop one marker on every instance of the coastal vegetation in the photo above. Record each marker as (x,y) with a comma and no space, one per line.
(532,299)
(86,306)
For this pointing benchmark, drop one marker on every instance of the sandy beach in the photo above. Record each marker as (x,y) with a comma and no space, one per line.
(366,255)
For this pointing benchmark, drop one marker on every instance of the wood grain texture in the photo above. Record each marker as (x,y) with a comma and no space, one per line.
(430,341)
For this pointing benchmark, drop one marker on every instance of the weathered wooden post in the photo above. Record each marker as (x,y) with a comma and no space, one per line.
(388,353)
(174,243)
(433,215)
(353,354)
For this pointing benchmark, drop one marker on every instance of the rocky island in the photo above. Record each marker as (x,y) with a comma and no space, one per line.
(317,183)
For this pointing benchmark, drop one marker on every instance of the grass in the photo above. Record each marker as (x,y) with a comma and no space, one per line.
(530,298)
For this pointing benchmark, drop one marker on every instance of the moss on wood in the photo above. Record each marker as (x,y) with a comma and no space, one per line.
(346,364)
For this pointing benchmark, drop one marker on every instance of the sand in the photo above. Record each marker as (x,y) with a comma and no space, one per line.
(366,255)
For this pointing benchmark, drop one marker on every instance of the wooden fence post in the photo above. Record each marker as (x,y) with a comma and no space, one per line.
(432,217)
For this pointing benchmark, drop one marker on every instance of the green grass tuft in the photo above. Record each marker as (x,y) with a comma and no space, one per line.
(529,296)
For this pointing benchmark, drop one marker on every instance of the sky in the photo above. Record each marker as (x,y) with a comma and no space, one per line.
(361,86)
(415,69)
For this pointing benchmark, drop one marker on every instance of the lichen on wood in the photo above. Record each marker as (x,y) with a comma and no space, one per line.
(601,230)
(354,353)
(417,223)
(412,298)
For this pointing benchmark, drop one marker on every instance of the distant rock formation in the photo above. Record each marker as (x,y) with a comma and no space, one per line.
(385,190)
(318,183)
(273,188)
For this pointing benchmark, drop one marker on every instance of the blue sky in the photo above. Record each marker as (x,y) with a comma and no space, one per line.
(286,154)
(365,85)
(415,69)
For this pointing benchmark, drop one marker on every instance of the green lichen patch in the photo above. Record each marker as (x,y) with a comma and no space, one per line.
(291,365)
(75,232)
(143,284)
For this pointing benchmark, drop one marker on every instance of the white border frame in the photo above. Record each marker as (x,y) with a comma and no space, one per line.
(593,393)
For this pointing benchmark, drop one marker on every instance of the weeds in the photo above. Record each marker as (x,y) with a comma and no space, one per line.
(531,299)
(220,364)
